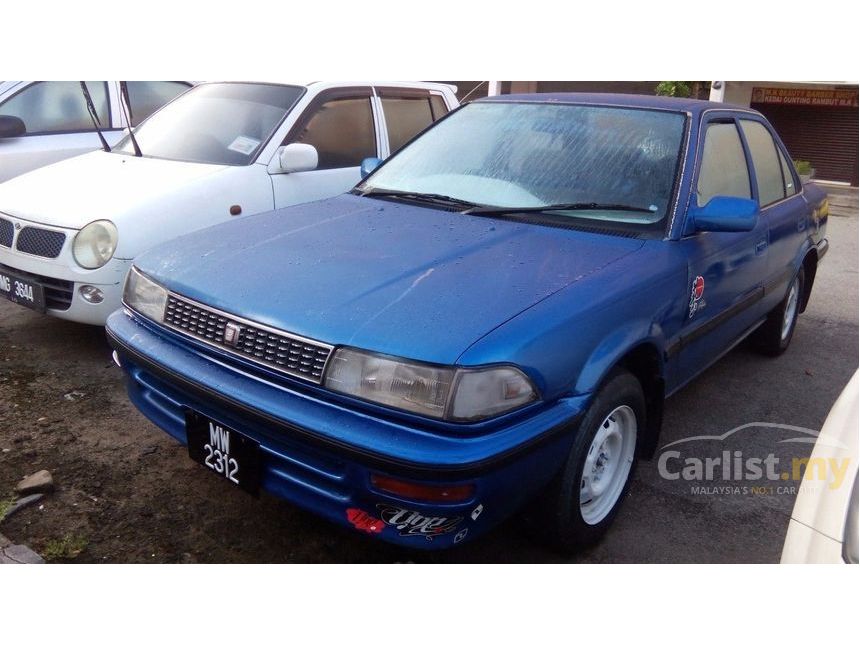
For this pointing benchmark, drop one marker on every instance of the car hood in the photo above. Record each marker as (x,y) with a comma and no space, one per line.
(390,277)
(96,185)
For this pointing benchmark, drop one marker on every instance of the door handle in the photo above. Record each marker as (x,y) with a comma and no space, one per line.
(760,246)
(801,225)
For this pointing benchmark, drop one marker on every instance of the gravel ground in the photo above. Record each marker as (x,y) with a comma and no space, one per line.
(126,492)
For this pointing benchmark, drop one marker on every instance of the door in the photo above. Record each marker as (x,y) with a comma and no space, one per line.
(57,124)
(340,124)
(783,209)
(725,270)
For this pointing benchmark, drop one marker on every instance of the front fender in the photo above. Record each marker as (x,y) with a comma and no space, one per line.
(569,342)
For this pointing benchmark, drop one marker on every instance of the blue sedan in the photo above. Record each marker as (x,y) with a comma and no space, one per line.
(489,322)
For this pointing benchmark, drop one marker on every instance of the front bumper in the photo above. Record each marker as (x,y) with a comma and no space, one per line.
(320,455)
(63,278)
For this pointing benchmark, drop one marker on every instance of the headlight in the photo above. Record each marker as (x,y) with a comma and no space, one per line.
(94,244)
(442,392)
(144,296)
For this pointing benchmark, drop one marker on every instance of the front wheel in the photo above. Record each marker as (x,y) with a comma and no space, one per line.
(584,499)
(774,335)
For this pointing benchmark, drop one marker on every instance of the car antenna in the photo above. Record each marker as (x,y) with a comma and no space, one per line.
(125,103)
(91,108)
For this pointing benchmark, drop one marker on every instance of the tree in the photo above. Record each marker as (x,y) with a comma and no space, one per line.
(680,89)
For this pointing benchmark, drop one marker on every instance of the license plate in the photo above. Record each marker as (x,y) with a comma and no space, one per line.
(227,453)
(22,291)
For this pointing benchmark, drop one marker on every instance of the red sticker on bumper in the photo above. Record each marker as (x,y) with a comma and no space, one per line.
(363,521)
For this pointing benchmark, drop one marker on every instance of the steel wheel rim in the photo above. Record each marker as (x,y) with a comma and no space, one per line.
(607,464)
(790,309)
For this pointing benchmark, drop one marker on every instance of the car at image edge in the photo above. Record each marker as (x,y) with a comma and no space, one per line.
(222,150)
(823,528)
(490,321)
(42,122)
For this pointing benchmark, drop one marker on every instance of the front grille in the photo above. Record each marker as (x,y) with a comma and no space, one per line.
(58,293)
(7,232)
(293,355)
(40,241)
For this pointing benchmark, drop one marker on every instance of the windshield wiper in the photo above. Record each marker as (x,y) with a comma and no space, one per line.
(125,103)
(94,115)
(433,198)
(572,206)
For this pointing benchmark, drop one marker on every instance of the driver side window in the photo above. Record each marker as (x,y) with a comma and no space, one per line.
(342,132)
(724,167)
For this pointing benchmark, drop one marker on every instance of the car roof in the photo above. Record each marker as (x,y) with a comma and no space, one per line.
(693,106)
(328,84)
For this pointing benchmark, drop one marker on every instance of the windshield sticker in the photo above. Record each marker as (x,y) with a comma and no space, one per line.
(243,144)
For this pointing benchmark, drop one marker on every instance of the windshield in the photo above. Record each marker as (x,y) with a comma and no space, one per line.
(219,123)
(612,164)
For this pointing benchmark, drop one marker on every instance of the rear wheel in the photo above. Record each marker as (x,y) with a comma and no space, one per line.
(775,334)
(583,500)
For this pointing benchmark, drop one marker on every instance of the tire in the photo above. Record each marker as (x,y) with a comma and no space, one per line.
(775,334)
(577,508)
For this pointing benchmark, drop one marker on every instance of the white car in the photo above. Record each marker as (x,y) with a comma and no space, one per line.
(823,524)
(69,231)
(46,121)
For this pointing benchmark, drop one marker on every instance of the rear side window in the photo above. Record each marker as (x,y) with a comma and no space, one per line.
(724,167)
(787,176)
(58,106)
(405,117)
(768,173)
(342,132)
(440,108)
(147,96)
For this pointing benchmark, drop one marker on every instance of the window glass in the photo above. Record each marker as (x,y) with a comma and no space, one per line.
(724,167)
(217,123)
(531,155)
(147,96)
(405,117)
(788,178)
(440,109)
(768,174)
(58,106)
(342,132)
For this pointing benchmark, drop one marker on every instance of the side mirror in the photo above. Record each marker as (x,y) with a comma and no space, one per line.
(724,214)
(298,157)
(369,165)
(11,126)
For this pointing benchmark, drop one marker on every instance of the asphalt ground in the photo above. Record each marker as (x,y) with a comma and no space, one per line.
(126,492)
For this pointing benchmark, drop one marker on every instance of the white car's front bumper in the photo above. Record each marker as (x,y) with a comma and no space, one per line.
(63,278)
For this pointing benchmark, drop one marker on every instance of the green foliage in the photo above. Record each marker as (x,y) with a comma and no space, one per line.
(5,505)
(68,548)
(680,89)
(803,167)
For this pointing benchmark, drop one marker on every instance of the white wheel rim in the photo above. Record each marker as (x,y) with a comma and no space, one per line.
(607,464)
(790,309)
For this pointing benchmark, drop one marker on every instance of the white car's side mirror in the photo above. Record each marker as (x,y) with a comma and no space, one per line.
(298,157)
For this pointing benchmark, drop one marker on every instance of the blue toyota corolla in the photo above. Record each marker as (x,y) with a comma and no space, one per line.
(493,317)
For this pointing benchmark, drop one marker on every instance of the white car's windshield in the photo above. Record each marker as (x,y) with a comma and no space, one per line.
(218,123)
(601,163)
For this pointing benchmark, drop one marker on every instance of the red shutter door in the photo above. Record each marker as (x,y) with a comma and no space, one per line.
(824,136)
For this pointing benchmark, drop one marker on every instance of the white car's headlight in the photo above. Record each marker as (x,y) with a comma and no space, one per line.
(95,244)
(454,394)
(144,296)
